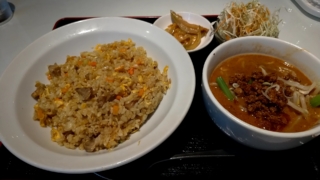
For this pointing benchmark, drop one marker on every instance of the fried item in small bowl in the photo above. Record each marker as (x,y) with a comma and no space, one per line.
(189,35)
(193,31)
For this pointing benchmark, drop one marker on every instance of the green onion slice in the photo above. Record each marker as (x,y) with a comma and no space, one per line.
(315,101)
(223,86)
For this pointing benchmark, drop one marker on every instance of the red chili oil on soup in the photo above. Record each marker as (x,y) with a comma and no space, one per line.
(261,94)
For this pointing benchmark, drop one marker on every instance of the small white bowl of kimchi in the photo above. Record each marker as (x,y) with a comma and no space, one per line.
(192,30)
(263,92)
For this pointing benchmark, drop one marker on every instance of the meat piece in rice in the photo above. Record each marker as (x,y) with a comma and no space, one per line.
(101,97)
(84,92)
(54,70)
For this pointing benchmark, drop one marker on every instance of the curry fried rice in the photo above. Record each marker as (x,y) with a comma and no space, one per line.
(96,100)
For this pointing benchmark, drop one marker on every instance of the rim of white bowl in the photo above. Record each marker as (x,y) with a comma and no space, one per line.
(309,132)
(211,30)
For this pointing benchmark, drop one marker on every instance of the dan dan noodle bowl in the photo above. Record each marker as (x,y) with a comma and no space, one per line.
(266,92)
(96,100)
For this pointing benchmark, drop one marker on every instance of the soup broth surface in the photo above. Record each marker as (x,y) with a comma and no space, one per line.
(248,65)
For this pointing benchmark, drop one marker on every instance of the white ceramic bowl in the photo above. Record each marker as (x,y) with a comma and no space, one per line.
(238,129)
(164,21)
(31,143)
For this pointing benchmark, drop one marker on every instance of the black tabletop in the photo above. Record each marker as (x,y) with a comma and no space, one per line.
(225,158)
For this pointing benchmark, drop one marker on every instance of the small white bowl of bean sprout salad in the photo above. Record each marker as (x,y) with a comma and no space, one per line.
(263,92)
(238,19)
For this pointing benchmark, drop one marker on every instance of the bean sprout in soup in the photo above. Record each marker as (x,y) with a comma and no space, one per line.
(266,92)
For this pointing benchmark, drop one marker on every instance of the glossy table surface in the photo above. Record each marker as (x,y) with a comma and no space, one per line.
(34,18)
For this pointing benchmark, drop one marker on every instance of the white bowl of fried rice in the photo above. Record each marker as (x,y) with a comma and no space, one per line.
(94,95)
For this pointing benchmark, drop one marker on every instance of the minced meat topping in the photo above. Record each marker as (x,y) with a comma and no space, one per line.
(267,109)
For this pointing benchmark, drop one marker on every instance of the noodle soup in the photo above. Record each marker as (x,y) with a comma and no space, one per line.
(266,92)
